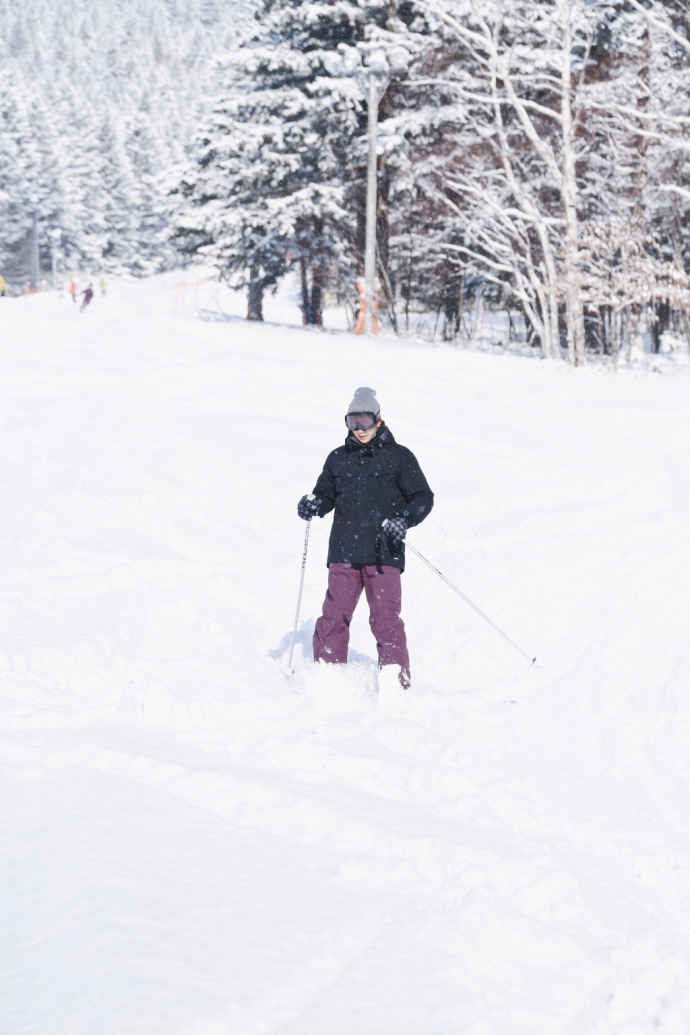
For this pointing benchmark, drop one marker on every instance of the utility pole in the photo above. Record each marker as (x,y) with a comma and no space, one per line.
(370,245)
(380,65)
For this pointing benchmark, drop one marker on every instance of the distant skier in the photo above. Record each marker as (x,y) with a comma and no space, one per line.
(3,286)
(101,284)
(378,491)
(87,295)
(73,290)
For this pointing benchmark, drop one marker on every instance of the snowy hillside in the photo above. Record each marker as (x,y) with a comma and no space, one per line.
(98,101)
(194,844)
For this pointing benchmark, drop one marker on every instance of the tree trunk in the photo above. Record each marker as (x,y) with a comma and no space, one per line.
(478,315)
(316,300)
(255,297)
(659,324)
(575,321)
(389,296)
(678,259)
(686,326)
(451,308)
(635,335)
(304,286)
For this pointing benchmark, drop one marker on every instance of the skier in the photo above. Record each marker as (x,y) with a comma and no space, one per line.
(378,491)
(87,295)
(3,286)
(73,290)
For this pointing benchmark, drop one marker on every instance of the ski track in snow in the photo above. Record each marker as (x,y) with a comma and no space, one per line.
(194,844)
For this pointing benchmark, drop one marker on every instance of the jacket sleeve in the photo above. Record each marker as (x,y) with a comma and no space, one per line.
(325,490)
(415,489)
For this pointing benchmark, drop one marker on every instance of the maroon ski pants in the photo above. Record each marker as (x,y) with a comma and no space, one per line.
(383,592)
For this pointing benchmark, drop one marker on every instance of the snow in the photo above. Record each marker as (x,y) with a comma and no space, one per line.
(192,844)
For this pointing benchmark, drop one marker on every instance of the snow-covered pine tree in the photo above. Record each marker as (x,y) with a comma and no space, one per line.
(222,212)
(267,187)
(154,210)
(43,161)
(17,201)
(279,175)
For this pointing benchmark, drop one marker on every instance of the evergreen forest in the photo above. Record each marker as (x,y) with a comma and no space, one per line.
(531,155)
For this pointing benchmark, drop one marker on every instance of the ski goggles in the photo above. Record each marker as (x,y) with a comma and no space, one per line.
(360,421)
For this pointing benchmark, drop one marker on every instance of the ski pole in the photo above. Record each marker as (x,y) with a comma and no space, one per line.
(299,596)
(469,603)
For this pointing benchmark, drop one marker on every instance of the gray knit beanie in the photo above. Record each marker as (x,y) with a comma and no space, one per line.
(365,401)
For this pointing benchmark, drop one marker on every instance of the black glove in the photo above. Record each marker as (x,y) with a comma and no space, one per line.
(395,530)
(309,506)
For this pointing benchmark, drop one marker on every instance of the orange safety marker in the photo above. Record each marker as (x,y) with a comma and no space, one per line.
(362,309)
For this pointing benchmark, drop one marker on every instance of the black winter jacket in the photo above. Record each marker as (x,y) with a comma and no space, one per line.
(366,484)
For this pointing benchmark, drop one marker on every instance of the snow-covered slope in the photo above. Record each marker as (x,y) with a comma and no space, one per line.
(194,845)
